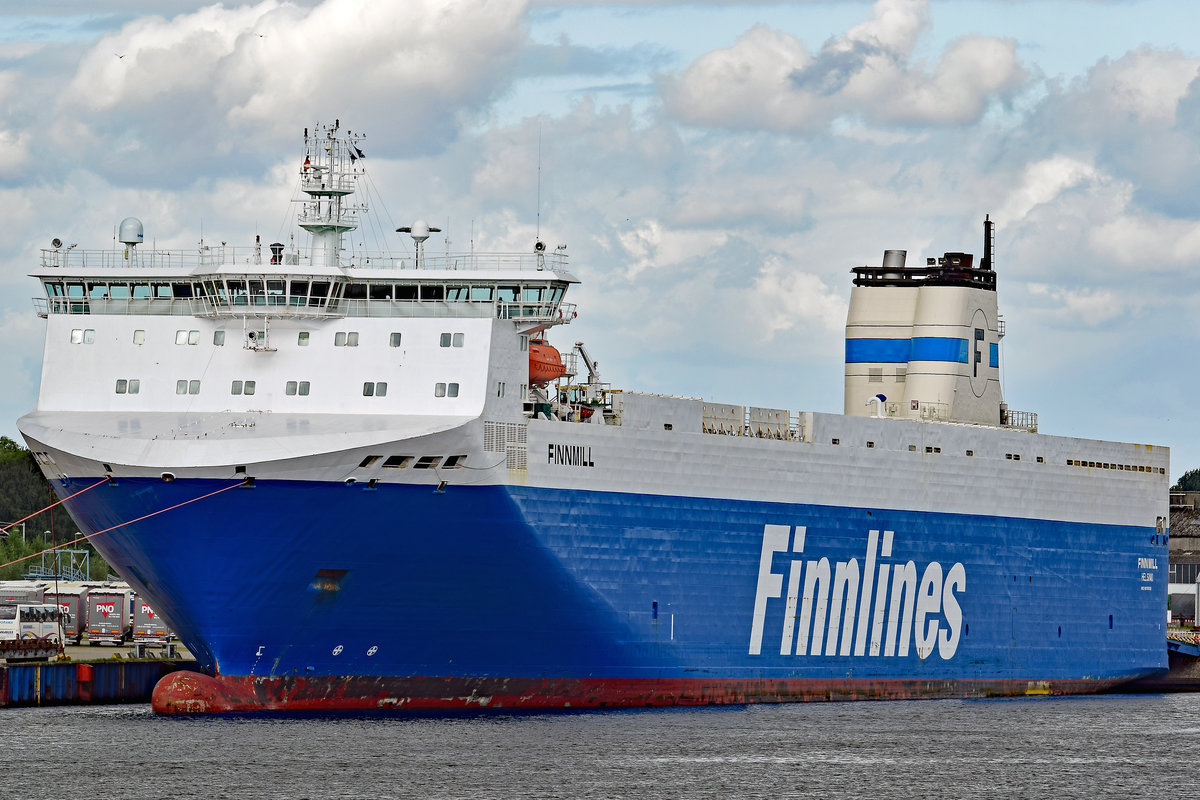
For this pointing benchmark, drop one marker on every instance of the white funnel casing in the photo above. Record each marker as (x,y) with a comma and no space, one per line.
(927,338)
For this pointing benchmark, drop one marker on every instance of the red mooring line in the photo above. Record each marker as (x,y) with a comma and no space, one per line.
(114,527)
(52,505)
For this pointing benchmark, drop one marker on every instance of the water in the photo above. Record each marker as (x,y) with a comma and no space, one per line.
(1088,747)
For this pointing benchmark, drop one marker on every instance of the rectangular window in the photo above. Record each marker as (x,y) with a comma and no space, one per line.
(439,390)
(236,388)
(303,388)
(524,392)
(89,335)
(248,387)
(481,294)
(77,336)
(193,387)
(290,389)
(352,339)
(180,387)
(381,389)
(452,390)
(122,386)
(339,339)
(398,462)
(193,337)
(181,337)
(458,340)
(500,389)
(369,389)
(219,338)
(302,338)
(135,385)
(445,341)
(523,341)
(139,337)
(395,340)
(453,462)
(427,462)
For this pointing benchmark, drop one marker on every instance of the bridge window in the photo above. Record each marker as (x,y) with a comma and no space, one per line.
(481,294)
(406,291)
(433,292)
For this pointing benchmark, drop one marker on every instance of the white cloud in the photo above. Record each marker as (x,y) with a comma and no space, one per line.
(1083,307)
(220,75)
(1145,85)
(785,298)
(1043,181)
(1148,243)
(768,80)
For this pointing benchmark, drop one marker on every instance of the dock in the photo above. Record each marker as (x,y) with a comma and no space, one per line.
(84,682)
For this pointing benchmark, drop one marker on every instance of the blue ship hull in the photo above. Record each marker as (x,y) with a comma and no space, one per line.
(378,591)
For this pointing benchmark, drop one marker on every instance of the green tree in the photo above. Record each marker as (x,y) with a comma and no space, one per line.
(23,491)
(1188,482)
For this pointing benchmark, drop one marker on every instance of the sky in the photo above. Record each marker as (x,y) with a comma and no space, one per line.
(716,168)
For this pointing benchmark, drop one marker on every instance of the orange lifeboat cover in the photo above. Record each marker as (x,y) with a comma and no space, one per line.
(545,363)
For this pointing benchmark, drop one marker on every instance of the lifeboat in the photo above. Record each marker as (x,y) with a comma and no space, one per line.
(545,362)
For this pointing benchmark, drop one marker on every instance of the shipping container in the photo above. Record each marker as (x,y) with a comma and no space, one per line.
(108,616)
(28,592)
(73,603)
(148,626)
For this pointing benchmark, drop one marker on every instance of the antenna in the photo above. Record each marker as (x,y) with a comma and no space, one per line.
(539,184)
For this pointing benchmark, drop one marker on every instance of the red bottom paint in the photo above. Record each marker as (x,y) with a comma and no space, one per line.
(195,693)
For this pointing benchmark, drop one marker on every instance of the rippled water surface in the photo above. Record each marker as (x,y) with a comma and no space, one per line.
(1118,746)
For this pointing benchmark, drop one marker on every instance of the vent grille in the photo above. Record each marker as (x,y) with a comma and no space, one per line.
(517,457)
(498,436)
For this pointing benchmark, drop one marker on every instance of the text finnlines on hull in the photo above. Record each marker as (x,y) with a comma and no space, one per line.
(842,602)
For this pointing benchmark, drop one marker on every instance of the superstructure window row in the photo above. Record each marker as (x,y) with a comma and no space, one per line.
(283,291)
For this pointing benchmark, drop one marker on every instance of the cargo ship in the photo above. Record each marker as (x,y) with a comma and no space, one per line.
(365,480)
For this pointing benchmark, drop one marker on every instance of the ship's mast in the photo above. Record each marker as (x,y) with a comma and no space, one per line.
(327,176)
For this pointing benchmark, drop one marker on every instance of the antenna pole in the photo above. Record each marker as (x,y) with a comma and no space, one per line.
(539,183)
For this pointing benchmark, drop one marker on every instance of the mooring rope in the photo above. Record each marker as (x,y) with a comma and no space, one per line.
(114,527)
(52,505)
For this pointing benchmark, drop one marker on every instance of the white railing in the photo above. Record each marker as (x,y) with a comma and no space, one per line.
(263,262)
(278,306)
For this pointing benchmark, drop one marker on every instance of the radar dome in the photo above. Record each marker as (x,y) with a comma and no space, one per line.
(131,231)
